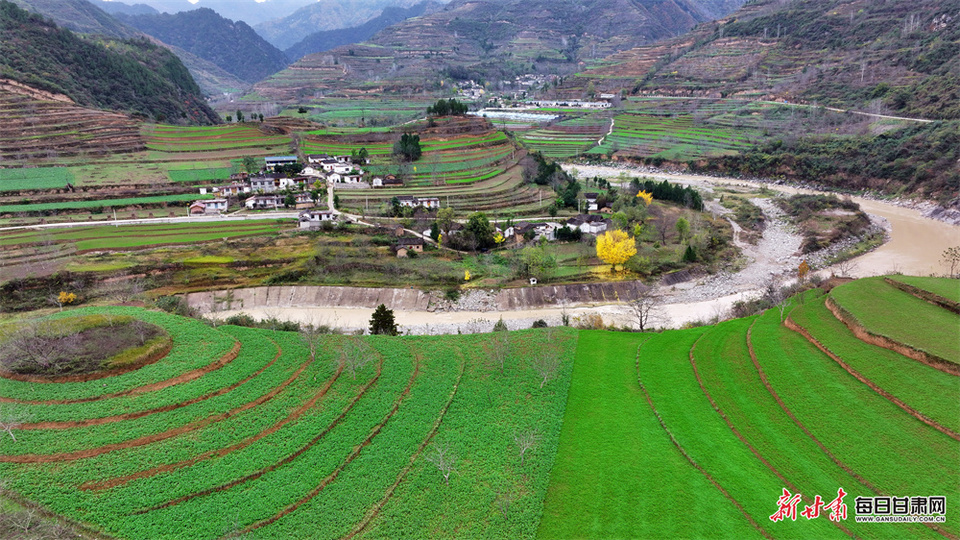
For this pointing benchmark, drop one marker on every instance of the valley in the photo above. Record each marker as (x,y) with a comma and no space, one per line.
(479,269)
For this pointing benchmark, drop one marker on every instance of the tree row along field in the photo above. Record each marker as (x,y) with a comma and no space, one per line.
(552,433)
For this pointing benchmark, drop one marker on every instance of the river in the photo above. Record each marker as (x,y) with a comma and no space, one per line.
(915,247)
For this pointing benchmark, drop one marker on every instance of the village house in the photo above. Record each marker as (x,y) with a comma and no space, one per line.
(314,219)
(588,224)
(540,229)
(304,200)
(591,199)
(314,159)
(409,201)
(275,161)
(230,190)
(265,184)
(212,206)
(406,245)
(387,181)
(264,202)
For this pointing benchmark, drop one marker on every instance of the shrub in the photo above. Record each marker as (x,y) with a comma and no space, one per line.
(539,323)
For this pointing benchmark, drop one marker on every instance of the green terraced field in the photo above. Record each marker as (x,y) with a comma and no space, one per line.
(689,433)
(872,302)
(199,139)
(35,179)
(105,203)
(945,287)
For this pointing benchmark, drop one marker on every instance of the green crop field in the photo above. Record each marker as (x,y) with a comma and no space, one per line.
(946,287)
(871,300)
(198,139)
(682,434)
(104,203)
(35,179)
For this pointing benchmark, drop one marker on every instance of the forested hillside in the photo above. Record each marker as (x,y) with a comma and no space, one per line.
(131,75)
(233,46)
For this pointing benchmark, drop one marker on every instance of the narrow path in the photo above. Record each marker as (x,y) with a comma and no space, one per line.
(609,131)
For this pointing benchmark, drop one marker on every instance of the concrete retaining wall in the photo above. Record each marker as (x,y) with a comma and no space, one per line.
(414,299)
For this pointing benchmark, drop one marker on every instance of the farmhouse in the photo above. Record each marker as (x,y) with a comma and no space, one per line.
(264,202)
(274,161)
(540,229)
(387,181)
(313,219)
(588,224)
(304,200)
(265,184)
(591,199)
(410,201)
(212,206)
(405,245)
(314,159)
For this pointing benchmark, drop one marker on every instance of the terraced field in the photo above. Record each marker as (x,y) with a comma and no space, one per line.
(198,139)
(449,159)
(23,250)
(676,138)
(568,137)
(237,418)
(689,433)
(35,179)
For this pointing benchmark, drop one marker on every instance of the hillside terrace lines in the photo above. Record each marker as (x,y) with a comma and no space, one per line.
(689,459)
(776,397)
(826,451)
(221,452)
(247,442)
(926,295)
(148,412)
(353,455)
(152,387)
(155,437)
(789,323)
(376,508)
(739,435)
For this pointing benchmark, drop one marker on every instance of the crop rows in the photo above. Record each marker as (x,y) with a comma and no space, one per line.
(106,203)
(191,139)
(35,179)
(279,444)
(674,137)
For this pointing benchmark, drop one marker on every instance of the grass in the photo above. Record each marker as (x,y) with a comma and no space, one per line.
(890,312)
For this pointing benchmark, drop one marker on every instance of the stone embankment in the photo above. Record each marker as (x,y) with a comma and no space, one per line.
(414,299)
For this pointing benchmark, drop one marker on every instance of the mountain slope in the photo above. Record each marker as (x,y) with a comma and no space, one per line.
(324,15)
(233,46)
(896,57)
(131,75)
(328,39)
(126,9)
(491,40)
(79,16)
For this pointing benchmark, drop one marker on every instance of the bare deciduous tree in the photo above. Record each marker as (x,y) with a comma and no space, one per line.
(445,460)
(526,440)
(546,362)
(845,268)
(355,353)
(951,259)
(31,346)
(499,349)
(310,334)
(645,308)
(11,420)
(504,498)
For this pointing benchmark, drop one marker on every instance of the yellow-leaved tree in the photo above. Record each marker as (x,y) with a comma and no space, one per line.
(615,247)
